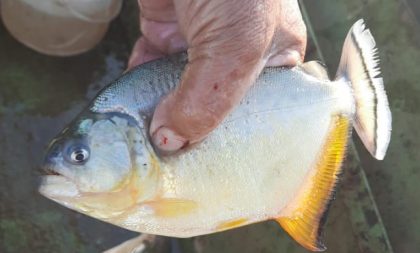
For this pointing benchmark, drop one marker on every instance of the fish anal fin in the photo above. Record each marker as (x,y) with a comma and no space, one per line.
(302,233)
(307,213)
(316,69)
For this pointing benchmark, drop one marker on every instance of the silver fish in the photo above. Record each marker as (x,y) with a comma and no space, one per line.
(277,156)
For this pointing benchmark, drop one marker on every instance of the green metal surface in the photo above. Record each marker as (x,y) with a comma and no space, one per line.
(39,95)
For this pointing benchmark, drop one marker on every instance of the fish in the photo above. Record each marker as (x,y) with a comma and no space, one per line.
(277,156)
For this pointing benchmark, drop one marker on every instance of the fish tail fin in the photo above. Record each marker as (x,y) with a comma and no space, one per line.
(359,65)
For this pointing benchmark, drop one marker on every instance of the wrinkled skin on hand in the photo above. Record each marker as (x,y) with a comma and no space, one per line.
(229,42)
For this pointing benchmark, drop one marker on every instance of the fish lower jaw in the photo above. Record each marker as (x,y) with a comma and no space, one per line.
(56,186)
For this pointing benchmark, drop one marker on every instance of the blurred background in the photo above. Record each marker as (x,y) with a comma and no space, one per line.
(377,207)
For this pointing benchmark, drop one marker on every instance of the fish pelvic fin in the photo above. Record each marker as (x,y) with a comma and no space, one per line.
(171,207)
(359,65)
(306,214)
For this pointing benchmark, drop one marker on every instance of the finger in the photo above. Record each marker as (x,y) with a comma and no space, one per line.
(158,24)
(158,40)
(157,10)
(288,57)
(289,42)
(143,52)
(164,36)
(160,33)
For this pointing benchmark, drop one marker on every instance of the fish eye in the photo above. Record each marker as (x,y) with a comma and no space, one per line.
(78,154)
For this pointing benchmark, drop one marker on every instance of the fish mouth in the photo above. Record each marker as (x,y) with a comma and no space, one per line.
(56,187)
(47,167)
(47,171)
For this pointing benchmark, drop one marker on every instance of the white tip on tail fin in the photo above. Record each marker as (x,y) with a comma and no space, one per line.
(359,65)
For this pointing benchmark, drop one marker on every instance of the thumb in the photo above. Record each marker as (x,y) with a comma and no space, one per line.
(210,87)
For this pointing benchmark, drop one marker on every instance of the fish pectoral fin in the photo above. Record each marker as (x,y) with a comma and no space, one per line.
(171,207)
(305,216)
(316,69)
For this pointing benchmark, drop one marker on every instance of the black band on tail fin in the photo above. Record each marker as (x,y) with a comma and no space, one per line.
(359,65)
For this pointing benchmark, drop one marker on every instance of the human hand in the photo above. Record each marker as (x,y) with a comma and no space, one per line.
(229,42)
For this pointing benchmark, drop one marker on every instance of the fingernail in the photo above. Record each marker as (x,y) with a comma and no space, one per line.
(167,140)
(288,58)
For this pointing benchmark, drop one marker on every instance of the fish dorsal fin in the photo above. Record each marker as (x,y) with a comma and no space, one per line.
(316,69)
(305,216)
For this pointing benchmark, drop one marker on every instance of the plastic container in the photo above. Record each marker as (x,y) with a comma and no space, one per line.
(59,27)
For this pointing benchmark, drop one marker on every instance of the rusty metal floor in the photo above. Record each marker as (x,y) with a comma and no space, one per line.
(377,207)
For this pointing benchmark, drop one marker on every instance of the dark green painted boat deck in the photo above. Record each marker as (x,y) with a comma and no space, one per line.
(378,204)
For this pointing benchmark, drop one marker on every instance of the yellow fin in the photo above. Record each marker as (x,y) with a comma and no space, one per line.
(231,224)
(310,207)
(171,207)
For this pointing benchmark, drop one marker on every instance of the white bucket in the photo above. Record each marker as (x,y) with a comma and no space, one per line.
(59,27)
